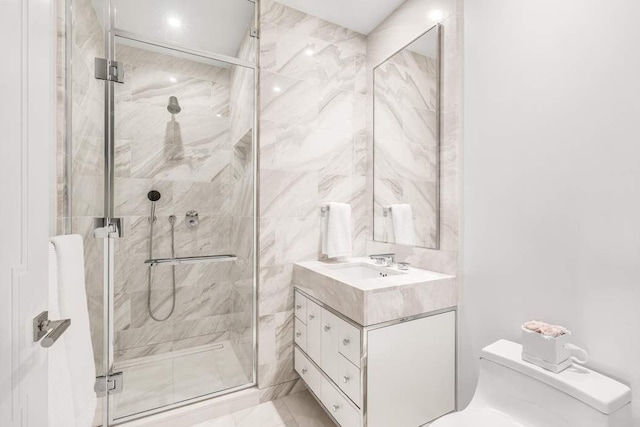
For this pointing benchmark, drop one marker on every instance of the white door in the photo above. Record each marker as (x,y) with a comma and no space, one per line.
(27,37)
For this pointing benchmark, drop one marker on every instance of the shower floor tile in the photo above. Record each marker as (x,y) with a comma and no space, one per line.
(154,382)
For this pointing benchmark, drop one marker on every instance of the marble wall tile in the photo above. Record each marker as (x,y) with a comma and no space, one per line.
(267,241)
(276,292)
(301,148)
(287,194)
(297,239)
(131,338)
(289,100)
(194,302)
(313,148)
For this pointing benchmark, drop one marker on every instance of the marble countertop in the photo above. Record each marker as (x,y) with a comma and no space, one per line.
(371,301)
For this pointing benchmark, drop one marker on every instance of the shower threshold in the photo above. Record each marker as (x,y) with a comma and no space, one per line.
(160,382)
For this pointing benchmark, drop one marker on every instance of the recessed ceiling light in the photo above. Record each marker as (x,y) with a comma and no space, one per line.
(174,22)
(309,52)
(173,79)
(276,89)
(218,115)
(437,15)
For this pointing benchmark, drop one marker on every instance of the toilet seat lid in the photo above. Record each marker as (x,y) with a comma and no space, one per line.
(477,417)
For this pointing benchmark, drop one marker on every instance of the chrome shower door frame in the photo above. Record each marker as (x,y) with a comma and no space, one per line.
(109,228)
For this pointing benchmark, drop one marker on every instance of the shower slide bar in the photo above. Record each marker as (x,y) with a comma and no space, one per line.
(191,260)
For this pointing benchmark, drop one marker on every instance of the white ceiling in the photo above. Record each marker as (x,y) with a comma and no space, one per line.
(208,25)
(358,15)
(219,25)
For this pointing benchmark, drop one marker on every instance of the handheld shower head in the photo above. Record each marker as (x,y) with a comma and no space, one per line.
(174,106)
(153,196)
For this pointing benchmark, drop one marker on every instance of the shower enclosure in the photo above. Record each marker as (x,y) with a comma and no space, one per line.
(158,174)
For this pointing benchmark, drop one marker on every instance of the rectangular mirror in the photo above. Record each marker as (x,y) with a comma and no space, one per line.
(406,144)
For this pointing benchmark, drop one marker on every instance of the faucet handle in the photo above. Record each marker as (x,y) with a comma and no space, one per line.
(378,260)
(384,259)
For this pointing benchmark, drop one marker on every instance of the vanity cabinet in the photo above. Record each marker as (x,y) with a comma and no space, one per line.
(398,373)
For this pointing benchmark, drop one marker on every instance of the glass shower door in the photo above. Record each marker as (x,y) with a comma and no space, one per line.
(184,288)
(165,159)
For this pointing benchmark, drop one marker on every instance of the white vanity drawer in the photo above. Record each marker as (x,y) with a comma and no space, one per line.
(330,353)
(339,407)
(349,342)
(300,307)
(349,379)
(314,331)
(308,372)
(300,334)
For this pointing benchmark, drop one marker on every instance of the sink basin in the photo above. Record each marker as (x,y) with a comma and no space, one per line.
(362,271)
(357,289)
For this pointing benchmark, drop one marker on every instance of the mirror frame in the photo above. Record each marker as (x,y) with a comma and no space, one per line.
(438,139)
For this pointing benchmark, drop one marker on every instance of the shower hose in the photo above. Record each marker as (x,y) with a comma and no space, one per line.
(172,220)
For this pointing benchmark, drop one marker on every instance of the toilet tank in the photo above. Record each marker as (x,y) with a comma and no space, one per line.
(539,398)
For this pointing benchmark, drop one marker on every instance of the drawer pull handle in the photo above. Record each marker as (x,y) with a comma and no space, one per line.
(304,371)
(327,328)
(298,334)
(335,408)
(346,341)
(298,306)
(345,379)
(312,316)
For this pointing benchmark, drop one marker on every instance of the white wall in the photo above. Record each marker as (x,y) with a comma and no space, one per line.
(552,177)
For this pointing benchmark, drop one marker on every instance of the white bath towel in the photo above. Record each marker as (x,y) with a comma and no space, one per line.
(336,236)
(402,220)
(61,411)
(72,299)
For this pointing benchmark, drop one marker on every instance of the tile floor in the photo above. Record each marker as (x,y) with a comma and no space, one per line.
(156,382)
(295,410)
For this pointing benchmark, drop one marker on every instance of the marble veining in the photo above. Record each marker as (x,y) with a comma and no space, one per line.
(312,145)
(371,301)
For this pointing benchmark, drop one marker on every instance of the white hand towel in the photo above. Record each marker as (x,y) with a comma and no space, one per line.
(336,238)
(402,219)
(72,298)
(61,410)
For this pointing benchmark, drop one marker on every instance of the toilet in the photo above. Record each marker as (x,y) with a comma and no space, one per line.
(512,392)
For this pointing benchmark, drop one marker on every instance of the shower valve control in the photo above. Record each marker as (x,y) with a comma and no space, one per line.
(191,219)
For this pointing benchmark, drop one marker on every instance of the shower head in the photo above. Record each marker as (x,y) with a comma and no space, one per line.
(173,107)
(153,195)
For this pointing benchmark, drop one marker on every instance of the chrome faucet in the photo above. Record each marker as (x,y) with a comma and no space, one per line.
(388,260)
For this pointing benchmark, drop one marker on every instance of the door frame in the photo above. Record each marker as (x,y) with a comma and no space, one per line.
(27,117)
